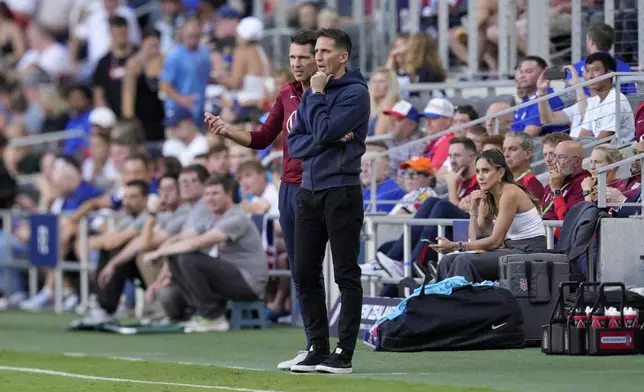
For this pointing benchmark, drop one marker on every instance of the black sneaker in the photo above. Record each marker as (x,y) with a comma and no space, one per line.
(338,363)
(312,360)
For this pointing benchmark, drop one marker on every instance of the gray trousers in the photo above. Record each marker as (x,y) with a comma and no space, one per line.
(477,267)
(207,283)
(174,304)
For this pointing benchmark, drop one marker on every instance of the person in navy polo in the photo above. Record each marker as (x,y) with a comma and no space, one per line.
(600,37)
(527,119)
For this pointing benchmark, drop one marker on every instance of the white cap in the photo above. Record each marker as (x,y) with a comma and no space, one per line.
(439,107)
(250,29)
(103,117)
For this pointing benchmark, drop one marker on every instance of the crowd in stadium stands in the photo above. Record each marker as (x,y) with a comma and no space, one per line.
(171,197)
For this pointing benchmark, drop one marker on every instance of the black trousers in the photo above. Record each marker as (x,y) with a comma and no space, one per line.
(477,267)
(110,296)
(333,215)
(207,283)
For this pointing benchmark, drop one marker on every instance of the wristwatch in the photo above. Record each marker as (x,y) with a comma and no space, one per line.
(586,193)
(557,192)
(460,246)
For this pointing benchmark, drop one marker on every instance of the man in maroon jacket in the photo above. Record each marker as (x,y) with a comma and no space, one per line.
(280,120)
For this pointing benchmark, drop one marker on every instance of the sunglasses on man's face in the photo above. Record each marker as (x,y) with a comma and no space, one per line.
(413,174)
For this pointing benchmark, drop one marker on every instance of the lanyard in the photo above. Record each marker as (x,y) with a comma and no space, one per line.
(523,175)
(552,202)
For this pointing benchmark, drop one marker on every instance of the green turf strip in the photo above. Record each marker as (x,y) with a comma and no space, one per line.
(186,374)
(519,370)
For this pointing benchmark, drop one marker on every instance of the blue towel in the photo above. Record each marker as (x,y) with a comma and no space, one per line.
(445,287)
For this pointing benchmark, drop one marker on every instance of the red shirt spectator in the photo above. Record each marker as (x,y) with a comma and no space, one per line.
(530,181)
(465,187)
(639,123)
(556,208)
(439,113)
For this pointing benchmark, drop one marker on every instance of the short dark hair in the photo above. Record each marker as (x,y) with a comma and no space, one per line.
(172,166)
(138,157)
(169,176)
(602,35)
(82,88)
(200,171)
(469,110)
(71,160)
(341,38)
(151,31)
(465,141)
(541,63)
(226,181)
(117,21)
(554,138)
(143,186)
(305,37)
(610,65)
(496,140)
(252,165)
(216,149)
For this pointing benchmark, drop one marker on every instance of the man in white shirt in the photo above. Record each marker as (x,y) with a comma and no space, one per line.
(600,116)
(96,31)
(261,196)
(186,142)
(45,54)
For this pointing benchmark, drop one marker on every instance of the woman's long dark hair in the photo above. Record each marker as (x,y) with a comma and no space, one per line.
(496,158)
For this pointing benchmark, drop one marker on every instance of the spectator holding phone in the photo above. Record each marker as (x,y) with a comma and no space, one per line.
(569,116)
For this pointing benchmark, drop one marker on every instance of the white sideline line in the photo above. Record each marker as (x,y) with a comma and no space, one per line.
(124,380)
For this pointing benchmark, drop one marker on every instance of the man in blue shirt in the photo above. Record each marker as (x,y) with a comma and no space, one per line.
(600,37)
(527,119)
(186,73)
(79,99)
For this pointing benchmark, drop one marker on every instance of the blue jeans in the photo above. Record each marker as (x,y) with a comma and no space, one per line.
(432,208)
(287,207)
(11,278)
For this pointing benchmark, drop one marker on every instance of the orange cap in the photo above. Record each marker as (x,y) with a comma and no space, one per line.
(422,164)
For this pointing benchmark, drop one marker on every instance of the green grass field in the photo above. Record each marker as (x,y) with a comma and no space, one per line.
(36,354)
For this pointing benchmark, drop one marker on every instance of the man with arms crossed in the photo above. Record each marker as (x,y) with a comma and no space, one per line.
(329,136)
(280,120)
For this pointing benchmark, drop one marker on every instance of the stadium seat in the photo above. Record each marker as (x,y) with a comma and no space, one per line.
(250,314)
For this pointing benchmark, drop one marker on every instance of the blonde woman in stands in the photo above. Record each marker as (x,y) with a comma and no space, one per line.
(397,53)
(421,63)
(384,92)
(600,157)
(501,208)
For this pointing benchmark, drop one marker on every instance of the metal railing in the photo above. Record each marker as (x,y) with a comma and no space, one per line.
(49,137)
(371,223)
(602,184)
(619,77)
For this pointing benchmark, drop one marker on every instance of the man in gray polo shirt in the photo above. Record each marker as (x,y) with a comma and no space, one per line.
(224,263)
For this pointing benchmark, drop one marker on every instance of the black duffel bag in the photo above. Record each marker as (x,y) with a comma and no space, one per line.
(471,318)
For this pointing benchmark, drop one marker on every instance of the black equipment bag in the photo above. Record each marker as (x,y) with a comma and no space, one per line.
(533,279)
(471,318)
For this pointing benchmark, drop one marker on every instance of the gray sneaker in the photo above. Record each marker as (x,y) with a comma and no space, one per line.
(201,324)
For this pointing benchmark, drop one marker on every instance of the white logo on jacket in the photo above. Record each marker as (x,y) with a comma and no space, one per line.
(290,121)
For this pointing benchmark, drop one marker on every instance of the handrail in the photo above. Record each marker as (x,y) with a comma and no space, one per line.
(602,186)
(585,146)
(620,76)
(425,87)
(48,137)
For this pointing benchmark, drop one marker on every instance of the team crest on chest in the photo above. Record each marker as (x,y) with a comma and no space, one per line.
(290,121)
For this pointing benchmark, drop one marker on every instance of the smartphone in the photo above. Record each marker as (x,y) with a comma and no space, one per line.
(428,241)
(556,74)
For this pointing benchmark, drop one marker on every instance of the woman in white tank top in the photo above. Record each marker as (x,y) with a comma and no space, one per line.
(506,211)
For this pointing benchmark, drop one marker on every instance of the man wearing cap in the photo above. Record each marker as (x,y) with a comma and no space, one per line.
(280,120)
(102,118)
(186,142)
(440,114)
(419,184)
(404,129)
(224,38)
